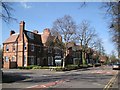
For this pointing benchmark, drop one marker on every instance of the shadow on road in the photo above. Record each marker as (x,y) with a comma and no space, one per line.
(13,77)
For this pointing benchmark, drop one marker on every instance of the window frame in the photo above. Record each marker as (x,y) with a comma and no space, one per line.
(6,58)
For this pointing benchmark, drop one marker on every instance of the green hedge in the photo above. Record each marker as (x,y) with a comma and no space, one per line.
(34,67)
(68,67)
(28,67)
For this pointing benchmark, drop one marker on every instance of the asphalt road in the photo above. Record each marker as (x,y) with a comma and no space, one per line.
(96,78)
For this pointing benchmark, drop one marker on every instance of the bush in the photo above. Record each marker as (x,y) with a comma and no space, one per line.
(28,67)
(20,67)
(36,67)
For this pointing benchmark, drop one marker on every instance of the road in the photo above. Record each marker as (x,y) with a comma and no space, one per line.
(97,77)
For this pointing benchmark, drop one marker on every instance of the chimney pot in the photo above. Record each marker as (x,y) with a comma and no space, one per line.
(12,32)
(35,31)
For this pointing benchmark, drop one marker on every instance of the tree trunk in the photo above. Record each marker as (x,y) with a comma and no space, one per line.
(65,54)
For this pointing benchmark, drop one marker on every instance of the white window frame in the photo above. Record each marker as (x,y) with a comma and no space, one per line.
(6,58)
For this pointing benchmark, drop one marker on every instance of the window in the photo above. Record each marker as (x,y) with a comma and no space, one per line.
(13,58)
(50,61)
(31,60)
(6,59)
(13,47)
(39,49)
(7,48)
(49,50)
(25,46)
(32,47)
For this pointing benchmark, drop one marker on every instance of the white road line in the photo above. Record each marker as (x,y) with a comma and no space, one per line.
(33,86)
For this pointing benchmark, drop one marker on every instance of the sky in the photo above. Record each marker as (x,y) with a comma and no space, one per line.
(41,15)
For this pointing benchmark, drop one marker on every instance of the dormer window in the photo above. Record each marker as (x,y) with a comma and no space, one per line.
(7,48)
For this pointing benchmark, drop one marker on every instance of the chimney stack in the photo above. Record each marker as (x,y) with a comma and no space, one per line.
(22,28)
(47,32)
(12,32)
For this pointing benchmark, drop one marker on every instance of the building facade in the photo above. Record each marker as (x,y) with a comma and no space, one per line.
(30,48)
(22,49)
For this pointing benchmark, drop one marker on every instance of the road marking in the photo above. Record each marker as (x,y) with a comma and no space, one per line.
(47,85)
(112,80)
(32,86)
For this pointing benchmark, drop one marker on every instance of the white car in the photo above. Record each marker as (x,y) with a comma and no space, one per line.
(116,66)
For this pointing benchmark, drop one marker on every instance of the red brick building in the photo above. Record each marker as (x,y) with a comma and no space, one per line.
(30,48)
(50,47)
(22,49)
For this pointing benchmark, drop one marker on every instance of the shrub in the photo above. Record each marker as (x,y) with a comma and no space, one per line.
(28,67)
(36,67)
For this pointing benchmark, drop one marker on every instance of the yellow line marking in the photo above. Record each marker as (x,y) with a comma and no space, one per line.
(111,81)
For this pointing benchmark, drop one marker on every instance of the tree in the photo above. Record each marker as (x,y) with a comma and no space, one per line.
(98,46)
(112,57)
(66,27)
(6,13)
(85,34)
(113,10)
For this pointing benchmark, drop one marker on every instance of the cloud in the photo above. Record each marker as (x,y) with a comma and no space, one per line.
(25,5)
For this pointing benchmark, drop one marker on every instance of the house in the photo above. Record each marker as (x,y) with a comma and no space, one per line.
(23,48)
(51,47)
(77,54)
(103,58)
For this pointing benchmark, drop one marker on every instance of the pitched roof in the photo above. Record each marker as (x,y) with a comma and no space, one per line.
(12,38)
(36,38)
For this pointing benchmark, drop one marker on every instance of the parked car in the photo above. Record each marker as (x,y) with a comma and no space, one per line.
(116,66)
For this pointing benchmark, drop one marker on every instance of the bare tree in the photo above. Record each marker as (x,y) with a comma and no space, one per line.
(66,27)
(98,46)
(113,10)
(6,13)
(85,34)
